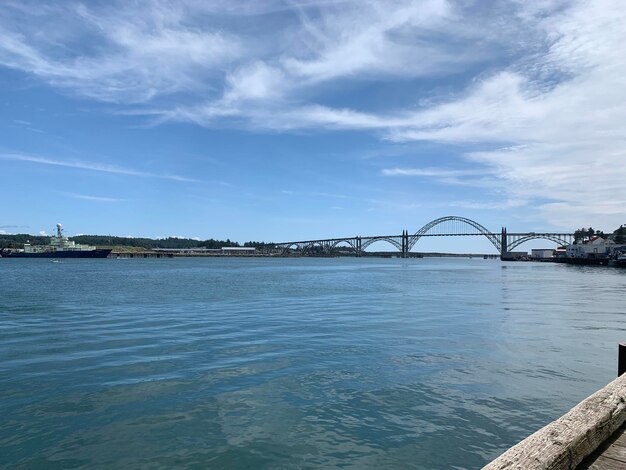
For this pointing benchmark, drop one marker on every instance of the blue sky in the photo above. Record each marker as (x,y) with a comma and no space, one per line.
(285,120)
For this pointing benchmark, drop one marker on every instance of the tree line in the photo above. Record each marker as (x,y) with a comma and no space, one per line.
(17,241)
(583,235)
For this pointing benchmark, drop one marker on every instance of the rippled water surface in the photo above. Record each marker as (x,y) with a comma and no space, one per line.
(295,363)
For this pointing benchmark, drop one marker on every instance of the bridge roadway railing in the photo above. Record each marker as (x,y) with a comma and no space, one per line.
(516,239)
(449,226)
(357,243)
(405,242)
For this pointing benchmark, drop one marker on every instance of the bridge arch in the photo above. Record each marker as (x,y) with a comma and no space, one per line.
(553,238)
(291,246)
(324,246)
(456,222)
(349,241)
(394,242)
(286,247)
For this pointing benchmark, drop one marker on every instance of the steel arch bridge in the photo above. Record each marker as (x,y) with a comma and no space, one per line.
(448,226)
(454,226)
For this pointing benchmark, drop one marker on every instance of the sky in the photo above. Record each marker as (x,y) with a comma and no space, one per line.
(287,120)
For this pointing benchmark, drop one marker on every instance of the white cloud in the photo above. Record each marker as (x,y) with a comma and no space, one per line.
(570,141)
(478,178)
(135,53)
(255,81)
(537,86)
(487,205)
(91,166)
(435,172)
(340,42)
(142,51)
(93,198)
(373,39)
(560,118)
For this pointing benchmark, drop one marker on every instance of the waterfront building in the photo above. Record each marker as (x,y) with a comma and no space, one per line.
(597,247)
(542,253)
(238,250)
(226,250)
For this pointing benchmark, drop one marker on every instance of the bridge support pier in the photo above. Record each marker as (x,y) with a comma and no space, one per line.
(357,246)
(504,244)
(405,243)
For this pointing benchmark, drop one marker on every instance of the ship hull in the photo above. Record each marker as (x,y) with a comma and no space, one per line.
(58,254)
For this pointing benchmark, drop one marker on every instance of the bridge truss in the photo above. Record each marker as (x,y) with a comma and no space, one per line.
(449,226)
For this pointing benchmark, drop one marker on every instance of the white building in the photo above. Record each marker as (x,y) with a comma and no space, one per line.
(542,253)
(238,250)
(597,247)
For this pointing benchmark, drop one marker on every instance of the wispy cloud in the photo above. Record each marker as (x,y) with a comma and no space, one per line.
(27,125)
(145,50)
(375,40)
(436,172)
(536,86)
(489,205)
(551,122)
(483,178)
(91,166)
(194,49)
(93,198)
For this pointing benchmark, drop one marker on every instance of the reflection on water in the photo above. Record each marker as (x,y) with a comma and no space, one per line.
(425,363)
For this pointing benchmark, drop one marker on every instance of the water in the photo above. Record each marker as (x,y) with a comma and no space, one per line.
(295,363)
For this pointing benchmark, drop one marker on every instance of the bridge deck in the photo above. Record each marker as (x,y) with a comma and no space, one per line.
(448,226)
(473,234)
(609,456)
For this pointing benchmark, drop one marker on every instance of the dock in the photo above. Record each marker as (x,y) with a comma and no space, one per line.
(592,435)
(187,252)
(611,455)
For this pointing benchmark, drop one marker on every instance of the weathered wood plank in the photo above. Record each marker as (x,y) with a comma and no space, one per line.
(621,440)
(564,443)
(616,453)
(605,463)
(608,454)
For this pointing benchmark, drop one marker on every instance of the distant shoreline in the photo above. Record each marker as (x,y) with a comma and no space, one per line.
(165,254)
